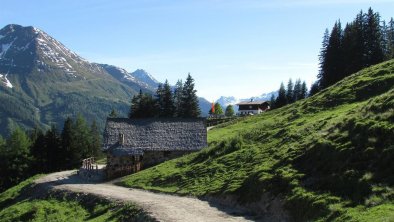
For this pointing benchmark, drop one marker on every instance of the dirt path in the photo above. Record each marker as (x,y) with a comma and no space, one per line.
(163,207)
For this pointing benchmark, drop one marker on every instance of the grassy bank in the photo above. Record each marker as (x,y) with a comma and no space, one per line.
(18,204)
(328,157)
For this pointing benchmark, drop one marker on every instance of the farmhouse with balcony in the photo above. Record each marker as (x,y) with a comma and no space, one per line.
(133,144)
(252,107)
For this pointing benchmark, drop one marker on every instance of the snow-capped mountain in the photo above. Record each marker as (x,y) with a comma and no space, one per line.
(42,82)
(231,100)
(144,82)
(145,77)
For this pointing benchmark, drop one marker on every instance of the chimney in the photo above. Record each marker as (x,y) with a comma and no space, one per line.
(121,138)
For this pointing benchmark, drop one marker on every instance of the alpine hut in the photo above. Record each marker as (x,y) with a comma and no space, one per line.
(131,144)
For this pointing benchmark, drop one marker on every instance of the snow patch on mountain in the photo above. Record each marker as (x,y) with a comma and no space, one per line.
(5,81)
(5,48)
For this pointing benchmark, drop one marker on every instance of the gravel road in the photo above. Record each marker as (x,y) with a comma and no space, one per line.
(163,207)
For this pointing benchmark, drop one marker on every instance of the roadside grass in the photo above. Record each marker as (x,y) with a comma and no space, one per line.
(329,156)
(17,204)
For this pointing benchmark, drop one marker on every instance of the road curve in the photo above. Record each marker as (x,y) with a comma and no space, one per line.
(163,207)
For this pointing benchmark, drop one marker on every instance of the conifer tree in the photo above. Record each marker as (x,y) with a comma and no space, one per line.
(281,100)
(297,90)
(159,99)
(54,150)
(190,107)
(229,111)
(373,37)
(95,139)
(333,65)
(272,102)
(168,108)
(178,98)
(290,92)
(390,39)
(67,136)
(304,91)
(18,157)
(135,108)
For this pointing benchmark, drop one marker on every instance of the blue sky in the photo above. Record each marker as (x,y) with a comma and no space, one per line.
(232,48)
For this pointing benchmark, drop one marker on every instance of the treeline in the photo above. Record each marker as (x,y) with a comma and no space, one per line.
(365,41)
(181,102)
(293,92)
(25,154)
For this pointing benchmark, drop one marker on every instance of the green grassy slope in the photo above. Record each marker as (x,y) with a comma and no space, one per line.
(329,157)
(16,204)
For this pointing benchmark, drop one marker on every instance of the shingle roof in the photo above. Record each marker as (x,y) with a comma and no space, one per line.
(156,134)
(251,103)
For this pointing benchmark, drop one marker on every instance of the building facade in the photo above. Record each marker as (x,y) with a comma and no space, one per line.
(133,144)
(252,107)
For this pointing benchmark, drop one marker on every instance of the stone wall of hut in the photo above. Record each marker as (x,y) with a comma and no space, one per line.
(152,158)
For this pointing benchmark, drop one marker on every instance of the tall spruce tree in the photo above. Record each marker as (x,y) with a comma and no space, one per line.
(178,98)
(159,99)
(190,107)
(333,63)
(281,100)
(373,37)
(297,90)
(290,91)
(390,39)
(168,107)
(322,57)
(304,91)
(273,102)
(95,140)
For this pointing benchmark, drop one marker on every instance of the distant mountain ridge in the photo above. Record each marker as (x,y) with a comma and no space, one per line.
(224,101)
(42,82)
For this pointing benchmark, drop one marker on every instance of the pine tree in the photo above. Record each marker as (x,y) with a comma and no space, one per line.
(159,99)
(67,136)
(272,102)
(218,109)
(290,92)
(281,100)
(333,64)
(135,108)
(229,111)
(80,141)
(168,107)
(323,57)
(297,94)
(178,98)
(18,157)
(190,107)
(353,46)
(54,150)
(95,139)
(373,37)
(304,91)
(390,39)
